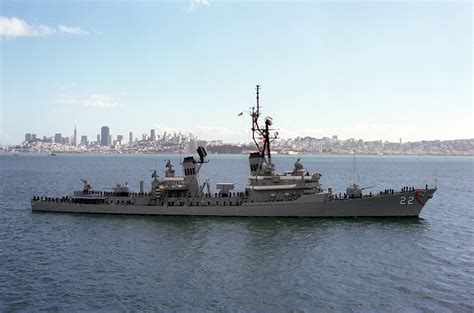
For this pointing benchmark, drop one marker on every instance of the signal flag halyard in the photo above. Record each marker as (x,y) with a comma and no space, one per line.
(240,114)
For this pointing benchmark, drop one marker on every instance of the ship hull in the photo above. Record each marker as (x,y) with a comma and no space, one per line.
(408,204)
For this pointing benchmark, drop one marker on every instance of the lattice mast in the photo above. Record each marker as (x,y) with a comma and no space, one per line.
(262,133)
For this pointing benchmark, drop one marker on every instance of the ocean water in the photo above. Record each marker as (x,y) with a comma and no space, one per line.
(84,262)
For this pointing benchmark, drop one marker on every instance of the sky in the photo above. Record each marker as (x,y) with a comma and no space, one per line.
(371,70)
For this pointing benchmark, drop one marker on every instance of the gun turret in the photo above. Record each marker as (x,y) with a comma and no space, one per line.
(87,187)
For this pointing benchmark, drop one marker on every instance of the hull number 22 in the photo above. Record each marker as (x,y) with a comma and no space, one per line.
(407,201)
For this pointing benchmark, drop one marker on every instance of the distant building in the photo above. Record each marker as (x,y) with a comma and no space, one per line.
(130,138)
(84,141)
(65,140)
(33,137)
(98,139)
(144,137)
(104,136)
(119,139)
(109,142)
(58,138)
(334,137)
(74,137)
(28,137)
(152,135)
(48,139)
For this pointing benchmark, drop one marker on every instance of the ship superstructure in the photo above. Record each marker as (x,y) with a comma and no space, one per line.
(268,193)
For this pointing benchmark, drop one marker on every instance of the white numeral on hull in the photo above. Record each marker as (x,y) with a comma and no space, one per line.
(403,200)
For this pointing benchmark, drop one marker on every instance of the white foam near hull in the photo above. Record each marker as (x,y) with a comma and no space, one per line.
(398,204)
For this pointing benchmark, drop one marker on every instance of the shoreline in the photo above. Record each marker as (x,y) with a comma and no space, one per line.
(48,153)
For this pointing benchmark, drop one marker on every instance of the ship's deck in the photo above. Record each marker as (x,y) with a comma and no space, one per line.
(207,199)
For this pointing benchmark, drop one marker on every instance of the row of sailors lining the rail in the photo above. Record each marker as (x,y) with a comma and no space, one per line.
(404,189)
(225,195)
(80,200)
(384,192)
(410,189)
(215,195)
(113,193)
(344,196)
(407,189)
(126,194)
(202,203)
(51,199)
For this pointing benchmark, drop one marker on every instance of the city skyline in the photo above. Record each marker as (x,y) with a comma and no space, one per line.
(187,143)
(357,70)
(103,132)
(155,135)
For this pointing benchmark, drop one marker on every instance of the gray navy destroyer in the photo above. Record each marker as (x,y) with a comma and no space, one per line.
(295,193)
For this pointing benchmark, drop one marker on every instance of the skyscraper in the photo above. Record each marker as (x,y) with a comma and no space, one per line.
(130,138)
(74,138)
(152,135)
(84,141)
(104,136)
(58,138)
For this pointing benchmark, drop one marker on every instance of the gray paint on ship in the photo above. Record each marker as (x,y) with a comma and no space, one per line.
(306,206)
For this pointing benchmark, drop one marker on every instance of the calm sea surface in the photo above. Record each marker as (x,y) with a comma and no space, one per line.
(84,262)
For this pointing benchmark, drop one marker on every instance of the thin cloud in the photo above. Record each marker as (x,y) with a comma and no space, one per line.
(195,4)
(91,101)
(72,30)
(12,27)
